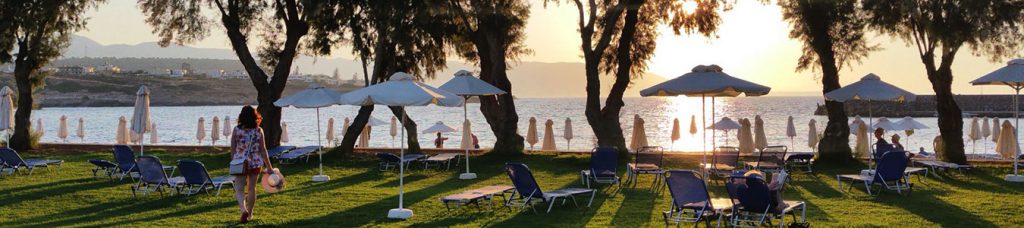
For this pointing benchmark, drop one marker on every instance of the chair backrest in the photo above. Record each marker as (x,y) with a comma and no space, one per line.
(891,166)
(603,161)
(151,170)
(776,154)
(649,155)
(194,172)
(726,155)
(749,194)
(523,180)
(881,149)
(11,157)
(386,157)
(124,156)
(687,187)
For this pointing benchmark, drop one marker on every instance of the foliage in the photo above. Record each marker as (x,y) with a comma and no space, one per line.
(840,23)
(505,20)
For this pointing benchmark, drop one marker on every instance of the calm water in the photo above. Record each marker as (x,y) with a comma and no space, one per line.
(177,125)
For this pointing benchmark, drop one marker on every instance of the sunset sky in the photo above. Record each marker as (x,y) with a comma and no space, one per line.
(752,43)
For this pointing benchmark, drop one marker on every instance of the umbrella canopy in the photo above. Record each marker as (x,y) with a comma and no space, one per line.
(394,127)
(330,130)
(80,132)
(438,127)
(465,84)
(215,130)
(401,90)
(885,124)
(531,132)
(855,122)
(62,130)
(344,125)
(152,133)
(870,88)
(226,131)
(995,129)
(39,127)
(639,136)
(862,147)
(675,135)
(1007,144)
(986,130)
(284,132)
(1012,75)
(790,128)
(746,138)
(908,123)
(693,124)
(6,109)
(567,130)
(760,139)
(974,134)
(201,130)
(140,115)
(314,96)
(364,137)
(812,134)
(123,134)
(549,136)
(706,81)
(467,135)
(725,124)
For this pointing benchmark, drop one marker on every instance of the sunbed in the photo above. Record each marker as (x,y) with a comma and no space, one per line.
(690,198)
(389,161)
(441,159)
(196,178)
(935,165)
(11,160)
(125,158)
(604,162)
(754,203)
(107,167)
(474,196)
(528,189)
(800,160)
(724,162)
(151,175)
(646,160)
(889,172)
(275,152)
(771,159)
(298,153)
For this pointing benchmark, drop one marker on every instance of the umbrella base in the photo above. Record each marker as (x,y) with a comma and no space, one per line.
(1014,178)
(399,213)
(321,178)
(467,176)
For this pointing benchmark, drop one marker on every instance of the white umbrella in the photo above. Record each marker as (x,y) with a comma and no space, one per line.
(974,134)
(1010,75)
(6,111)
(201,130)
(639,136)
(790,131)
(549,136)
(330,131)
(886,125)
(1007,144)
(531,133)
(401,90)
(567,132)
(812,134)
(140,116)
(467,135)
(706,81)
(908,125)
(760,139)
(466,85)
(746,138)
(995,129)
(227,128)
(870,88)
(344,125)
(364,136)
(80,132)
(438,127)
(284,132)
(39,127)
(861,131)
(122,136)
(675,135)
(215,130)
(394,130)
(62,130)
(315,96)
(986,131)
(152,133)
(726,125)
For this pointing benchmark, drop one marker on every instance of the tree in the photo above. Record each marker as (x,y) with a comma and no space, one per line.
(832,33)
(938,29)
(490,33)
(618,39)
(396,36)
(281,24)
(32,33)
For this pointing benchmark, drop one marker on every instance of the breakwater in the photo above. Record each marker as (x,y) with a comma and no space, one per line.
(924,106)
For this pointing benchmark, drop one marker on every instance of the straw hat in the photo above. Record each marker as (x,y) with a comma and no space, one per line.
(273,182)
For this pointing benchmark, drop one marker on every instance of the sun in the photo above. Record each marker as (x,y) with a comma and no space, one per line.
(689,6)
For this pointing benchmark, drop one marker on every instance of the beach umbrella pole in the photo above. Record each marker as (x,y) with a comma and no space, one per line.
(320,151)
(400,212)
(1016,177)
(703,136)
(465,116)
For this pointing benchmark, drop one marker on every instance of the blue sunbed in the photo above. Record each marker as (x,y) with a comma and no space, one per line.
(11,160)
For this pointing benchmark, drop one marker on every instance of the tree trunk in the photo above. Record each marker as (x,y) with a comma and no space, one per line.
(605,121)
(834,146)
(951,121)
(23,116)
(500,110)
(410,129)
(348,141)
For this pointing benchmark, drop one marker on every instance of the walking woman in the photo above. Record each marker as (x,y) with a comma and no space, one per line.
(247,142)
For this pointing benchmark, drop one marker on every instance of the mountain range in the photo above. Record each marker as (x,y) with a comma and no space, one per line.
(529,79)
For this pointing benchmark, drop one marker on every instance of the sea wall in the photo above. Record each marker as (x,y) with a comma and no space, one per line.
(924,106)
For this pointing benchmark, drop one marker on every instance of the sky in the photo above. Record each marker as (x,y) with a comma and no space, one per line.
(752,43)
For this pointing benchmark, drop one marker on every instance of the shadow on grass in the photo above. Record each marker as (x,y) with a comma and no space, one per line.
(925,204)
(45,191)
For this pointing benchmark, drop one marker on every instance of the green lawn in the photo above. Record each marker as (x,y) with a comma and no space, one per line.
(359,195)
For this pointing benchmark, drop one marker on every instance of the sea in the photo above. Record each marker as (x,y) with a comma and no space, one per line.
(179,125)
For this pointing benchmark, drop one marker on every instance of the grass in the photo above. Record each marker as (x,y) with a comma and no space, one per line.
(358,195)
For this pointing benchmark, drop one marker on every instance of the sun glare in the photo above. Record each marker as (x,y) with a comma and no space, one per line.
(689,6)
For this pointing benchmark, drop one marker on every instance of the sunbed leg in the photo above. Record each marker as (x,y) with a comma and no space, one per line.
(552,204)
(592,194)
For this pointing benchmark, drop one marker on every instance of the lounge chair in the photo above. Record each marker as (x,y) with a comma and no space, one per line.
(646,160)
(690,198)
(754,204)
(198,179)
(604,162)
(275,152)
(528,189)
(125,159)
(441,160)
(11,160)
(724,161)
(107,167)
(801,160)
(771,159)
(387,161)
(151,175)
(298,153)
(889,172)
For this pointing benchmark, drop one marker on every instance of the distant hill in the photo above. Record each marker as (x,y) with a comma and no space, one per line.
(529,79)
